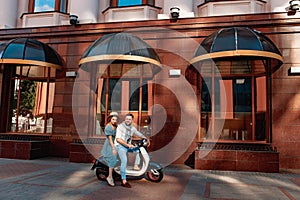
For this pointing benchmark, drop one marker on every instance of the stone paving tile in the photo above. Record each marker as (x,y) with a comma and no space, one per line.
(245,192)
(195,188)
(59,179)
(19,168)
(296,181)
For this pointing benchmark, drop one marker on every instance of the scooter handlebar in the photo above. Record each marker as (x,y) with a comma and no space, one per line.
(142,142)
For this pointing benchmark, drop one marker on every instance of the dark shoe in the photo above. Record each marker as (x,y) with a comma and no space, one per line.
(127,185)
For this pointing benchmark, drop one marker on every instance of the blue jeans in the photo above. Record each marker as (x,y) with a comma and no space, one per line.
(122,151)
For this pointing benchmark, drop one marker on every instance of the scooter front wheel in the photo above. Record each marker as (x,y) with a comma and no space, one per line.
(154,175)
(101,174)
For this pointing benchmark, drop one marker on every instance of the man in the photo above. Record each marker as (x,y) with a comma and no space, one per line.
(124,133)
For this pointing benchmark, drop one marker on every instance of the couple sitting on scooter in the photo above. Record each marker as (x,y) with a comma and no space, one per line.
(119,140)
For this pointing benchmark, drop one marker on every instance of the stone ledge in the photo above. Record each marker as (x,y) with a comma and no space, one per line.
(22,149)
(84,152)
(238,160)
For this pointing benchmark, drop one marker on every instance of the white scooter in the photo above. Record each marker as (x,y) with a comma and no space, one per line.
(150,170)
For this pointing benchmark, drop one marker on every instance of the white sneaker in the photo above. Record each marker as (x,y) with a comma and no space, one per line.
(110,181)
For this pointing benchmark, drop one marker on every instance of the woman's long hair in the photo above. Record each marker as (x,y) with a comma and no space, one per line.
(109,119)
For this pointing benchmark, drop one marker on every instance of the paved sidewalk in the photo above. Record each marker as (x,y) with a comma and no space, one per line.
(52,178)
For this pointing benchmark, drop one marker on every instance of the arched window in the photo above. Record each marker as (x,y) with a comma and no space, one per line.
(46,6)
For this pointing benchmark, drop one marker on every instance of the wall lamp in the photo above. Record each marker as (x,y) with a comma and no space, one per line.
(174,11)
(71,74)
(293,8)
(294,71)
(73,19)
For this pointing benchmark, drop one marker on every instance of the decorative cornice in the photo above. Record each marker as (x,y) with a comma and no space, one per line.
(255,21)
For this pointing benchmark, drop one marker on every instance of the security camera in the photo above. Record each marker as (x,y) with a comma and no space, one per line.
(174,11)
(294,2)
(293,8)
(294,5)
(74,19)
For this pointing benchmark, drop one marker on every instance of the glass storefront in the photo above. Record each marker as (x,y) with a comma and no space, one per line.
(234,101)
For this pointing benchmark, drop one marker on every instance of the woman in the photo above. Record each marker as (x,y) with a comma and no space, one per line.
(109,151)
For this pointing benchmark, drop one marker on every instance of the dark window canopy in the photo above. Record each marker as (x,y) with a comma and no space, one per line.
(239,43)
(122,50)
(29,52)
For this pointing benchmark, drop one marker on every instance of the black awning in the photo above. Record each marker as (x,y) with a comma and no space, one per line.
(238,42)
(27,51)
(124,48)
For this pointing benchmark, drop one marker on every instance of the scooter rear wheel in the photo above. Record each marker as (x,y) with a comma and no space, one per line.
(154,175)
(101,174)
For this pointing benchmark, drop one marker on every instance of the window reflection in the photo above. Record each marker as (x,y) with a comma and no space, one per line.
(44,5)
(129,2)
(242,95)
(32,99)
(240,109)
(114,93)
(135,96)
(122,95)
(63,5)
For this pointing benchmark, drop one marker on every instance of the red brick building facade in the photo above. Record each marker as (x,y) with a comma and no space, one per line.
(73,131)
